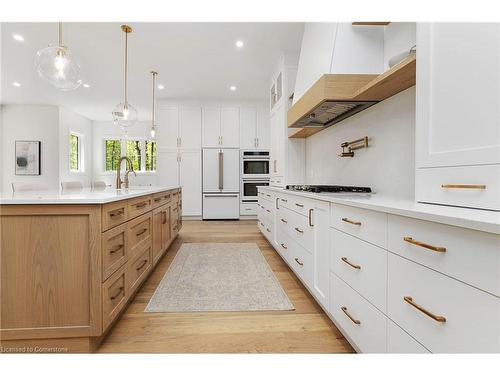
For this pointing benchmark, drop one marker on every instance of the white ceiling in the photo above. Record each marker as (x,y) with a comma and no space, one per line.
(194,61)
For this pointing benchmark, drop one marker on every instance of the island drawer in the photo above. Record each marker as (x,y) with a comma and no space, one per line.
(114,296)
(297,227)
(368,225)
(468,255)
(159,199)
(139,234)
(361,265)
(113,214)
(399,342)
(114,249)
(140,205)
(443,314)
(138,269)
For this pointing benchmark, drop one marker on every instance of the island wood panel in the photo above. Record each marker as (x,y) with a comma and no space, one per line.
(50,271)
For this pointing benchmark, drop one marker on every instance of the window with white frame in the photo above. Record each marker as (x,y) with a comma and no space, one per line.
(75,152)
(141,152)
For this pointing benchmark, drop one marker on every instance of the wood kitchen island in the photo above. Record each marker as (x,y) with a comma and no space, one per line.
(71,262)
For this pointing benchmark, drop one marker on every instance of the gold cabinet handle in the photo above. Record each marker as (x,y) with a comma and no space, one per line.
(438,249)
(141,232)
(117,212)
(268,210)
(298,230)
(437,318)
(141,205)
(299,205)
(268,195)
(115,249)
(120,290)
(284,221)
(345,260)
(299,262)
(283,246)
(355,321)
(463,186)
(268,230)
(284,200)
(346,220)
(164,213)
(144,262)
(310,217)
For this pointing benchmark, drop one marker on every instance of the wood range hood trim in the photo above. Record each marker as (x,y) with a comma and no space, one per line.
(350,88)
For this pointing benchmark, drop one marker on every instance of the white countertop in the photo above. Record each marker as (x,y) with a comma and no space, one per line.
(84,196)
(483,220)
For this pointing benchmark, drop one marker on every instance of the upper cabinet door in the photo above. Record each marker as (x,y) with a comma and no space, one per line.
(263,129)
(190,127)
(168,168)
(190,180)
(230,127)
(211,127)
(458,94)
(248,124)
(168,127)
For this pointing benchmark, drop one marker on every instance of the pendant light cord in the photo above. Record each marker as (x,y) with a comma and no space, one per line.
(126,68)
(60,35)
(154,101)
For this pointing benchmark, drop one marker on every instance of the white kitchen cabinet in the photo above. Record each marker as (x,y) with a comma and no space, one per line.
(211,127)
(254,128)
(182,168)
(190,128)
(318,217)
(230,127)
(263,133)
(457,115)
(168,127)
(221,127)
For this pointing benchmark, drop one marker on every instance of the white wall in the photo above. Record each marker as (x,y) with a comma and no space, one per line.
(72,122)
(398,37)
(32,123)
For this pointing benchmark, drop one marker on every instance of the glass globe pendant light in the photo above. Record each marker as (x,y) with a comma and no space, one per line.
(124,114)
(58,66)
(152,131)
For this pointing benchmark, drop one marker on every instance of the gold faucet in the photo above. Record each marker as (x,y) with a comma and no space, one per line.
(119,181)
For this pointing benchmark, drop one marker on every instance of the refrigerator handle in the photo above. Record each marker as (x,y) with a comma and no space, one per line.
(221,170)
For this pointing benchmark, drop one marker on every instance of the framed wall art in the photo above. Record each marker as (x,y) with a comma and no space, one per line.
(28,160)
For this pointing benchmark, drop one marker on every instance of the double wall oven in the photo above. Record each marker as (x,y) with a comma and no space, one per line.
(254,173)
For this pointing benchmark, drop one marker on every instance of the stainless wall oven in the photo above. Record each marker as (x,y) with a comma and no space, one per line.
(249,189)
(255,164)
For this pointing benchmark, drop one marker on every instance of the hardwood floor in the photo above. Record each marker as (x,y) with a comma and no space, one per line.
(304,330)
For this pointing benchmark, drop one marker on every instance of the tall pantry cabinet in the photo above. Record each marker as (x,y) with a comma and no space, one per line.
(458,114)
(179,161)
(287,155)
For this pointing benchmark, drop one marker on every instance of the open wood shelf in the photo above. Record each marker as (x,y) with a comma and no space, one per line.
(398,78)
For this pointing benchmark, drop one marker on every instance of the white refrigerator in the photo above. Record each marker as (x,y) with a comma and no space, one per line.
(221,183)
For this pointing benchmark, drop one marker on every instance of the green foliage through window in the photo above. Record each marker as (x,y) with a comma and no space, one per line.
(150,156)
(74,156)
(133,152)
(113,153)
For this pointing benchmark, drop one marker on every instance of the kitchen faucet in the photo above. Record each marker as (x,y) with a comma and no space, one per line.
(119,181)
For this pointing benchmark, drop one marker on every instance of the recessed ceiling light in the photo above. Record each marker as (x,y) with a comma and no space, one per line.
(86,85)
(239,43)
(161,87)
(18,37)
(16,84)
(232,88)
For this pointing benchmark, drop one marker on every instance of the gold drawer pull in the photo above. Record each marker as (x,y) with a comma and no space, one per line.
(284,221)
(174,209)
(268,195)
(120,290)
(299,205)
(268,230)
(261,223)
(144,262)
(159,199)
(164,213)
(461,186)
(268,210)
(351,221)
(298,230)
(437,318)
(115,249)
(345,260)
(141,205)
(439,249)
(355,321)
(142,232)
(284,246)
(299,262)
(117,212)
(284,200)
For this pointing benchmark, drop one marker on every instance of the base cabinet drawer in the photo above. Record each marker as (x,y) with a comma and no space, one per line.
(470,186)
(301,262)
(443,314)
(114,249)
(361,265)
(138,269)
(398,341)
(468,255)
(159,199)
(361,321)
(114,296)
(114,214)
(298,227)
(139,233)
(140,205)
(283,245)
